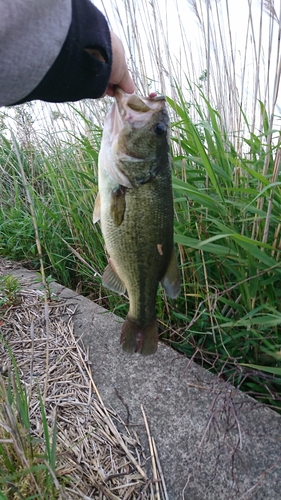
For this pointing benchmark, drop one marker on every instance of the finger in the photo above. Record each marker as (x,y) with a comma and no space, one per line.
(127,84)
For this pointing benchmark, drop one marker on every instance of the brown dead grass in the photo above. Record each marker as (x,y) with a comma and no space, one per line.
(95,450)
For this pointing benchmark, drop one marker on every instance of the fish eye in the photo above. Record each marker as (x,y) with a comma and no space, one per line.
(159,128)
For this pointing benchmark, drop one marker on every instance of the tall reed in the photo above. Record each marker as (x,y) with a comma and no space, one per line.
(226,164)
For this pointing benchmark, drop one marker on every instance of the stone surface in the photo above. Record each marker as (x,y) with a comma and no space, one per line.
(214,442)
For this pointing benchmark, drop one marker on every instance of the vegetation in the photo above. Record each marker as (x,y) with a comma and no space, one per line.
(226,162)
(27,464)
(54,444)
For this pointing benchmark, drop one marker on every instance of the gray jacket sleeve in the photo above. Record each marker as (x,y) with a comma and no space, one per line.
(42,50)
(32,33)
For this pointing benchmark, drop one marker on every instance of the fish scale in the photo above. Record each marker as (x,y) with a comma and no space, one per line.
(141,267)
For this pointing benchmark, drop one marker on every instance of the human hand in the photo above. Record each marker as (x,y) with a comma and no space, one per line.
(119,73)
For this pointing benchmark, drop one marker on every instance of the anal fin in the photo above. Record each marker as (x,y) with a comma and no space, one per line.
(111,280)
(171,281)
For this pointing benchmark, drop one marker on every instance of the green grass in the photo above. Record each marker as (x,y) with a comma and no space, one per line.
(226,181)
(227,195)
(227,227)
(27,465)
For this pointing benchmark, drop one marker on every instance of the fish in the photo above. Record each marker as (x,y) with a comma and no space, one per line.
(135,208)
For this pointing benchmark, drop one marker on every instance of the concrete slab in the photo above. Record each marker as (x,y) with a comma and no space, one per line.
(214,442)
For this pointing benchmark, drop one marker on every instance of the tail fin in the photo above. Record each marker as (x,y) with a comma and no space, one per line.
(139,338)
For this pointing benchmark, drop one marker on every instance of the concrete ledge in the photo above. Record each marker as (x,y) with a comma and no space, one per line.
(214,442)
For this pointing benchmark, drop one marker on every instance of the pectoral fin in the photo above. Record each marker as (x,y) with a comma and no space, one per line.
(96,214)
(171,281)
(118,205)
(111,280)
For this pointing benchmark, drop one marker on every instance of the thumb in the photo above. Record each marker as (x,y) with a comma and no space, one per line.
(126,83)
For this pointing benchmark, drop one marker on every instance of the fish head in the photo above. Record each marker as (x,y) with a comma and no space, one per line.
(137,132)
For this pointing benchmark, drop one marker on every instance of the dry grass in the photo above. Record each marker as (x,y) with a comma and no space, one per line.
(96,455)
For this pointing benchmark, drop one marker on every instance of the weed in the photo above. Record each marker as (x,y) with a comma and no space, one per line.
(226,165)
(9,289)
(27,465)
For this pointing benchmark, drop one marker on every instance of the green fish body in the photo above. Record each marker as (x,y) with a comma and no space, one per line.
(135,208)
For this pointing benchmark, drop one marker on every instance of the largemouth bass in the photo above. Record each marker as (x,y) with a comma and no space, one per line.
(135,208)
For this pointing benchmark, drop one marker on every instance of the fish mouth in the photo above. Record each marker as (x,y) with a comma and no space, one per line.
(129,111)
(120,94)
(132,109)
(138,110)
